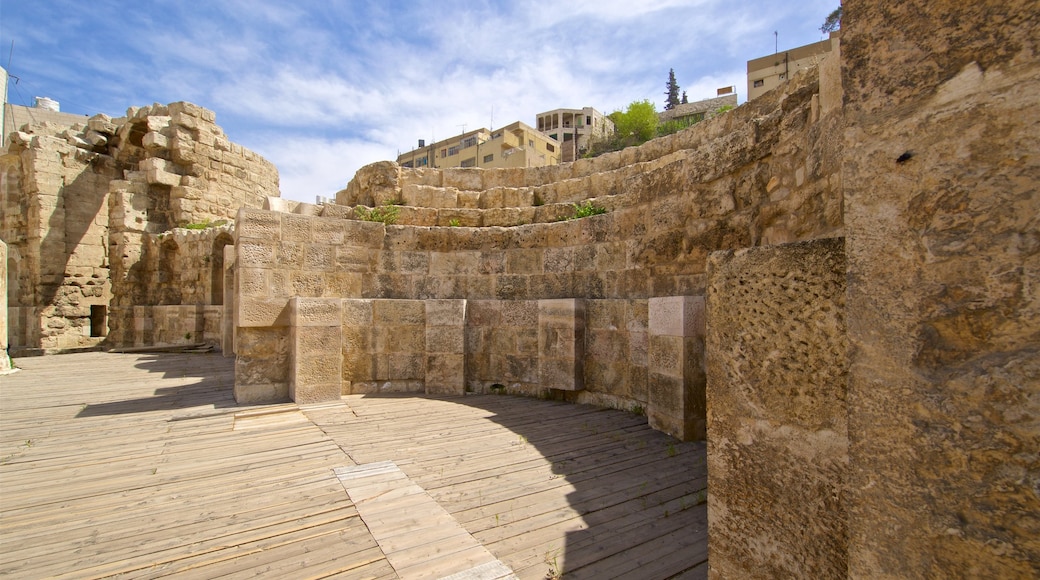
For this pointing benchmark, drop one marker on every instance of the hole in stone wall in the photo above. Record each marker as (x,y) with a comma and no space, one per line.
(98,321)
(217,269)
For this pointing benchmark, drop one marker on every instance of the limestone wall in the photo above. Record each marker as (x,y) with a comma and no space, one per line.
(777,422)
(942,204)
(83,203)
(55,195)
(557,305)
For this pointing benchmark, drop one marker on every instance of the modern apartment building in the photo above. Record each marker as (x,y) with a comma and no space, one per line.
(575,129)
(767,72)
(516,145)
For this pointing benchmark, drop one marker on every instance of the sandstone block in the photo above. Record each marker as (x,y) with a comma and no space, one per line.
(254,224)
(445,313)
(317,312)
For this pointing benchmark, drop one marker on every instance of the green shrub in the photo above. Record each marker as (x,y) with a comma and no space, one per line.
(386,213)
(586,209)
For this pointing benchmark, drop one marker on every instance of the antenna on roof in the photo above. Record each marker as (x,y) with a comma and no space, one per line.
(776,42)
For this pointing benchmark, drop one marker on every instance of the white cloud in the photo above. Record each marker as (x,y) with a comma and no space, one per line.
(311,166)
(322,88)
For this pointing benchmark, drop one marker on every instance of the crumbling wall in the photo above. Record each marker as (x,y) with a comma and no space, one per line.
(942,204)
(81,205)
(54,200)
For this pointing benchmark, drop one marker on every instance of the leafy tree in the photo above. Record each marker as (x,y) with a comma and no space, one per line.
(672,92)
(638,123)
(833,21)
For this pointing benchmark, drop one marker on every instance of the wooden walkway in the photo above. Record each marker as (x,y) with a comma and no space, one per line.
(142,466)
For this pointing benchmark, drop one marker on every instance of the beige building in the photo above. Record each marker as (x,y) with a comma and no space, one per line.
(767,72)
(516,145)
(575,129)
(700,110)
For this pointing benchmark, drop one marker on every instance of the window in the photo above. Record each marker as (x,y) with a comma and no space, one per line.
(555,136)
(759,82)
(489,158)
(530,142)
(549,147)
(568,136)
(588,119)
(406,164)
(420,162)
(444,153)
(471,162)
(453,150)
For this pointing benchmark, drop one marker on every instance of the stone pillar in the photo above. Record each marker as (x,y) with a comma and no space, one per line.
(5,361)
(315,338)
(777,424)
(940,175)
(262,347)
(561,344)
(445,347)
(675,390)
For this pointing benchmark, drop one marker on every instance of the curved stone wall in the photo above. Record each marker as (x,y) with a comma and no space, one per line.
(764,173)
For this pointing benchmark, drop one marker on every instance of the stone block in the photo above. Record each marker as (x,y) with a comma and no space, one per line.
(355,259)
(296,228)
(317,312)
(407,366)
(256,312)
(398,312)
(357,312)
(445,374)
(320,257)
(445,313)
(253,224)
(561,347)
(445,339)
(454,263)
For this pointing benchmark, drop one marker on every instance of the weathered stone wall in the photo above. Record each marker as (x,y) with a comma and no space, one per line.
(766,174)
(777,423)
(54,200)
(81,205)
(942,204)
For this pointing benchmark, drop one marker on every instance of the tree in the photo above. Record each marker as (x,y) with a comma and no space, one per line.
(672,92)
(638,124)
(684,101)
(833,21)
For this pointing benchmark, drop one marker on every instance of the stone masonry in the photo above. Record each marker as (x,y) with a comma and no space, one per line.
(89,215)
(835,284)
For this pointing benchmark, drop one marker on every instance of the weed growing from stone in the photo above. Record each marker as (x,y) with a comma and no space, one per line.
(586,209)
(386,214)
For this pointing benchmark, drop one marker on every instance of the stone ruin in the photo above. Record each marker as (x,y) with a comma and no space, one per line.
(94,217)
(834,284)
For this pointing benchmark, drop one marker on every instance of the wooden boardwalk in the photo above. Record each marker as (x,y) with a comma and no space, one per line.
(141,465)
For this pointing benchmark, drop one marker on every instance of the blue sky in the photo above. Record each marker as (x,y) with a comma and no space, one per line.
(322,88)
